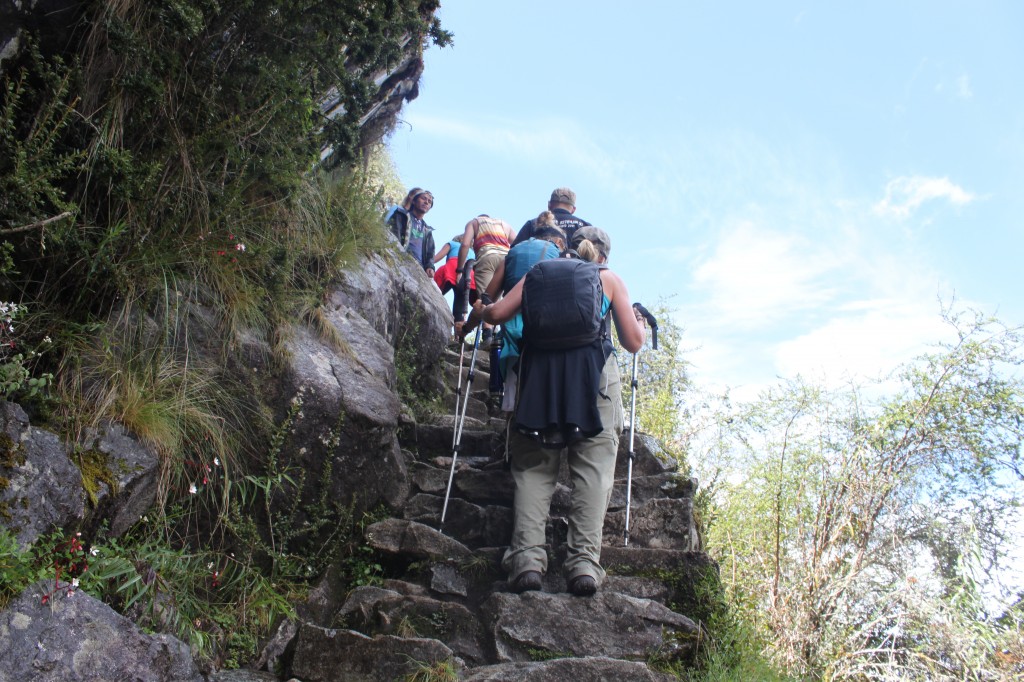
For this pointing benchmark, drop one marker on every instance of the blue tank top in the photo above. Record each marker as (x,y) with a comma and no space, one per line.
(453,250)
(524,256)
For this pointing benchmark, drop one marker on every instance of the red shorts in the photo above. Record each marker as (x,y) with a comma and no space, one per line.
(446,279)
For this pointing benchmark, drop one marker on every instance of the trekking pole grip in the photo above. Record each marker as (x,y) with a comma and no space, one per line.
(652,321)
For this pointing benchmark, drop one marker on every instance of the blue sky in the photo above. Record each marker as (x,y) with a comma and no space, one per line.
(803,183)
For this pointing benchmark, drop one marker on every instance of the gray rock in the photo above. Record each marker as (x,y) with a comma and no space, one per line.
(348,416)
(641,588)
(431,479)
(243,676)
(481,487)
(591,669)
(274,653)
(446,579)
(658,524)
(39,486)
(494,486)
(413,540)
(379,613)
(323,655)
(405,587)
(359,607)
(649,458)
(690,576)
(607,624)
(393,294)
(468,523)
(433,440)
(135,468)
(79,639)
(644,488)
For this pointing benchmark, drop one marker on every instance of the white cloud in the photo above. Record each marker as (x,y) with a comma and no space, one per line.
(963,87)
(538,140)
(866,339)
(758,275)
(905,194)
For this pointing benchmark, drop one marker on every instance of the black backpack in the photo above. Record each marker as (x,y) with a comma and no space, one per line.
(562,301)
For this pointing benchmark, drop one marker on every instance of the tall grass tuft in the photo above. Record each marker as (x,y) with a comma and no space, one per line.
(136,370)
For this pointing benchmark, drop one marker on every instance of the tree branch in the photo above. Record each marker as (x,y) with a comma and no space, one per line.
(32,226)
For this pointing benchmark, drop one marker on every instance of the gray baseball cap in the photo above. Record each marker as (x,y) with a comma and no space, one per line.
(596,236)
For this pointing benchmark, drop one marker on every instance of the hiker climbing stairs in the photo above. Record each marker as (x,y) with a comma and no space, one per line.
(447,606)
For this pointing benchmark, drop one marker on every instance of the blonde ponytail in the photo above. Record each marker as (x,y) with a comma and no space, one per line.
(587,251)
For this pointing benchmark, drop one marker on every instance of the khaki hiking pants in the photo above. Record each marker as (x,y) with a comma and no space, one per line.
(592,470)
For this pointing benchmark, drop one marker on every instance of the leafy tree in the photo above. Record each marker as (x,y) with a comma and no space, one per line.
(857,537)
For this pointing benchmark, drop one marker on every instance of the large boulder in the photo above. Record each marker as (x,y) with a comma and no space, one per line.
(345,414)
(75,638)
(40,487)
(393,294)
(607,624)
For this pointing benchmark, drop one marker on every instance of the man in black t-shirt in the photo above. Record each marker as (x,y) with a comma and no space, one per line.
(563,205)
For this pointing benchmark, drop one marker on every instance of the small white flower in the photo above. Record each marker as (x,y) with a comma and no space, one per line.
(192,489)
(216,461)
(74,582)
(95,551)
(209,566)
(47,339)
(240,247)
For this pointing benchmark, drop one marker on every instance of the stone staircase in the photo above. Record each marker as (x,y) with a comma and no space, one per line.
(447,609)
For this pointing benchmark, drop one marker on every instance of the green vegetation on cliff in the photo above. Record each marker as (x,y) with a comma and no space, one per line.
(176,176)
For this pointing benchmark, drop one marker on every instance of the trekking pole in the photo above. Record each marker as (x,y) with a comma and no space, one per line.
(458,387)
(462,292)
(460,420)
(634,384)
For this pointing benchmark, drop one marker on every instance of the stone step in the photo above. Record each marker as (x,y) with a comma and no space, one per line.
(588,668)
(470,524)
(607,624)
(477,440)
(323,654)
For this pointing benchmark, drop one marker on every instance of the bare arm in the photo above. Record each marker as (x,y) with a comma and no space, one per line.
(631,333)
(443,252)
(505,309)
(467,243)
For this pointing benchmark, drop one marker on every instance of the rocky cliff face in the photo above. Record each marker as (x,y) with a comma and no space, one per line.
(445,604)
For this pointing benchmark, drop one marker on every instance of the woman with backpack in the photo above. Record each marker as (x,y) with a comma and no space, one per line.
(569,396)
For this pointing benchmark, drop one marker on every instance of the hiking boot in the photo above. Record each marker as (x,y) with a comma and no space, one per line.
(582,585)
(528,581)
